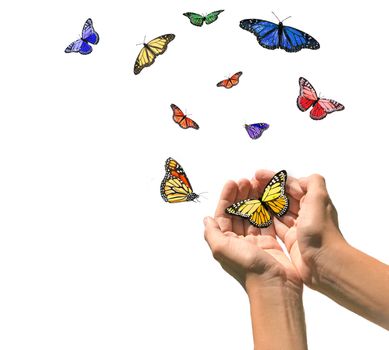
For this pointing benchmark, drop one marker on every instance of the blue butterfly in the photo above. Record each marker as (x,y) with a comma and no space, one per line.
(88,36)
(277,36)
(255,130)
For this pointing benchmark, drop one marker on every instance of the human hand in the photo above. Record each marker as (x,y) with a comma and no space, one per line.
(310,229)
(249,254)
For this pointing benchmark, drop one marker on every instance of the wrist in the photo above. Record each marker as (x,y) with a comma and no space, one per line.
(277,315)
(279,286)
(327,263)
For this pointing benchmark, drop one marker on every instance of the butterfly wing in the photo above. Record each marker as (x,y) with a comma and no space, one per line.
(175,186)
(230,82)
(79,46)
(213,16)
(88,35)
(181,119)
(252,209)
(255,130)
(265,31)
(88,32)
(307,96)
(293,40)
(151,50)
(195,18)
(274,194)
(324,107)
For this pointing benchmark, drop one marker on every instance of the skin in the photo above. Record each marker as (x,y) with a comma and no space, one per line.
(323,258)
(256,260)
(320,257)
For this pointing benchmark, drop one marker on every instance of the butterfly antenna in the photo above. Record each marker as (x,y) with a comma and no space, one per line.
(144,40)
(285,19)
(276,16)
(203,196)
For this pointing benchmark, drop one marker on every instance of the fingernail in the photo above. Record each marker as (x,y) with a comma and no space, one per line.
(205,220)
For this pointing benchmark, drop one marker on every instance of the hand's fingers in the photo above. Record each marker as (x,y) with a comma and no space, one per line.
(294,205)
(215,238)
(288,235)
(293,188)
(316,191)
(227,197)
(312,182)
(243,193)
(288,219)
(220,243)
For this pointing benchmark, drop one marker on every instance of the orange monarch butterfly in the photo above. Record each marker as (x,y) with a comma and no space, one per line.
(273,199)
(230,82)
(182,120)
(175,186)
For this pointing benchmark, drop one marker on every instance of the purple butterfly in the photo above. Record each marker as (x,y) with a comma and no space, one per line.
(255,130)
(88,36)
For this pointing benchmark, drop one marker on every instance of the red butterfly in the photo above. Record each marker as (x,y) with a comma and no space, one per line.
(230,82)
(181,119)
(321,106)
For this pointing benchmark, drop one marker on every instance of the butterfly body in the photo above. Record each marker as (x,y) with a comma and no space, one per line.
(175,186)
(278,36)
(273,200)
(88,36)
(151,50)
(183,120)
(198,20)
(320,106)
(255,131)
(230,82)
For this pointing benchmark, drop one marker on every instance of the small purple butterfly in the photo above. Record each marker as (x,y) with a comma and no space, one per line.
(255,130)
(88,36)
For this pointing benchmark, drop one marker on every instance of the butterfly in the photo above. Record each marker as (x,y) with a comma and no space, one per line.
(273,200)
(88,36)
(181,119)
(277,36)
(230,82)
(255,130)
(175,186)
(198,20)
(151,50)
(321,106)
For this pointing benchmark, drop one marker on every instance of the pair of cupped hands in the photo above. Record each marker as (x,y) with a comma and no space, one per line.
(254,256)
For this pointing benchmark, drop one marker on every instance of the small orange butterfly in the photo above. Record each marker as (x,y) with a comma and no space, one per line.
(182,120)
(230,82)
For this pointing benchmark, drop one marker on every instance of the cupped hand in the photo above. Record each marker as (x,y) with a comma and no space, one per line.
(309,229)
(249,254)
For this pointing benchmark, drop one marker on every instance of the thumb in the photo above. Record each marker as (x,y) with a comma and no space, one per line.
(315,188)
(213,235)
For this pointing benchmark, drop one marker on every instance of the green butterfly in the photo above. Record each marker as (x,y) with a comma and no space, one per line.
(198,20)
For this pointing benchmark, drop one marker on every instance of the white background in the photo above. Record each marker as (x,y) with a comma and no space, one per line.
(90,255)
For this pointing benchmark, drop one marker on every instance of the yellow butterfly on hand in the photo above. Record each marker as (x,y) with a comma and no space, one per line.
(273,200)
(151,50)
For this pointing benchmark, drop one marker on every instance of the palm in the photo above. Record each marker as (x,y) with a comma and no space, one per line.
(251,249)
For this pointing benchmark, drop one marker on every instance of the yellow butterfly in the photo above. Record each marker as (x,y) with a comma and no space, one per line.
(272,200)
(151,50)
